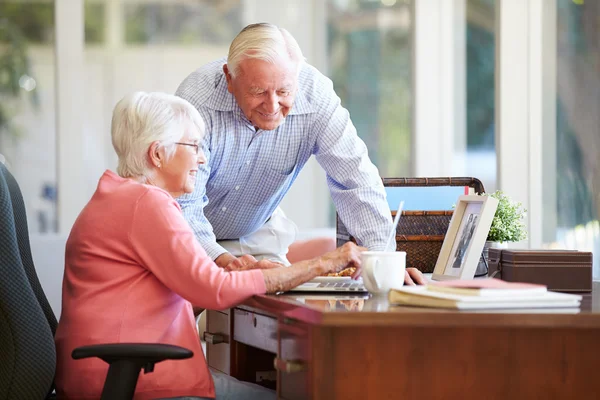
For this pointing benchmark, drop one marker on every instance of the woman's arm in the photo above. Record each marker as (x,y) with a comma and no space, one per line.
(285,278)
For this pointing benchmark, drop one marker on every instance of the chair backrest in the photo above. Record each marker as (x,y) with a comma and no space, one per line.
(27,351)
(20,215)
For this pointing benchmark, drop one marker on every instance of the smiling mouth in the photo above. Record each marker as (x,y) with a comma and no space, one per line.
(269,115)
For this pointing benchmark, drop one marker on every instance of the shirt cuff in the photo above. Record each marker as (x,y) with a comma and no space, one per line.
(382,246)
(213,250)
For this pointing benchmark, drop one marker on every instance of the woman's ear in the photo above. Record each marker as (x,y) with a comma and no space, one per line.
(156,154)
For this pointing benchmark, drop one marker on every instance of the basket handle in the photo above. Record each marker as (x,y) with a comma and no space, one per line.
(439,181)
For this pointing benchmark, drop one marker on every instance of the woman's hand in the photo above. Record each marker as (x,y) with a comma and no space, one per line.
(283,279)
(343,257)
(266,264)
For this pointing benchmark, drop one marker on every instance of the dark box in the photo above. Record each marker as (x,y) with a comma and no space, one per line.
(559,270)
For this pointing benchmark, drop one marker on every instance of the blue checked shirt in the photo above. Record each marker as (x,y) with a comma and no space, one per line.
(249,172)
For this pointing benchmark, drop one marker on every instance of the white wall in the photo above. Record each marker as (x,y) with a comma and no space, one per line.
(49,259)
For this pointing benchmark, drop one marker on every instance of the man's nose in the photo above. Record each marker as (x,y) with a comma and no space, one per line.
(272,103)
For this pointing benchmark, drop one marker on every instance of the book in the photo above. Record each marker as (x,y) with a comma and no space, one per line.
(423,296)
(489,287)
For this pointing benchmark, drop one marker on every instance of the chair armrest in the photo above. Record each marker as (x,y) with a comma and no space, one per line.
(125,362)
(144,352)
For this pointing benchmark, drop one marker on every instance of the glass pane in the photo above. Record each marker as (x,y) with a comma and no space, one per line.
(27,93)
(94,22)
(577,174)
(480,50)
(206,21)
(369,50)
(123,57)
(36,20)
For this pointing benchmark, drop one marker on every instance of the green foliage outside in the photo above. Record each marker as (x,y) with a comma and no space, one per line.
(35,21)
(508,224)
(23,25)
(15,72)
(370,68)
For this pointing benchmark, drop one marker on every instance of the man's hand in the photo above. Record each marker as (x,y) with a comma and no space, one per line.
(231,263)
(413,276)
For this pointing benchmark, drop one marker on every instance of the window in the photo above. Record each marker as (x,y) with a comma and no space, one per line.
(480,91)
(577,173)
(370,65)
(27,121)
(193,22)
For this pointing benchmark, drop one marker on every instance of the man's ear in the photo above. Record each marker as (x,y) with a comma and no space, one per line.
(229,78)
(156,154)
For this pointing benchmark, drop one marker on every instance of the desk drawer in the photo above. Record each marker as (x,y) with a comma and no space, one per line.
(255,330)
(293,361)
(217,330)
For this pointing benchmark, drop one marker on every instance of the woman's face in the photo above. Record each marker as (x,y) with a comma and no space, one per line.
(178,174)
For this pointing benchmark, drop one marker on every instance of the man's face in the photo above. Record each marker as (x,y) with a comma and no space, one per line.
(264,91)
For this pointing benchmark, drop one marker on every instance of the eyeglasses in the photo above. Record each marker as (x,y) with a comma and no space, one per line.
(196,146)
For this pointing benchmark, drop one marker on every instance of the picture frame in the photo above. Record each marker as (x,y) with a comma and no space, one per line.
(465,237)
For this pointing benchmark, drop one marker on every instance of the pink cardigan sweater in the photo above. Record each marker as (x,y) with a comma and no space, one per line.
(133,269)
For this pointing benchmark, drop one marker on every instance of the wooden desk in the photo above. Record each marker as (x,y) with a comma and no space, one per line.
(323,350)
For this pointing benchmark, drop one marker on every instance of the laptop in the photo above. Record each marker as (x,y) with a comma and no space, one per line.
(329,284)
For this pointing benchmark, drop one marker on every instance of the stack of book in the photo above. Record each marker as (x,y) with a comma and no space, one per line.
(479,294)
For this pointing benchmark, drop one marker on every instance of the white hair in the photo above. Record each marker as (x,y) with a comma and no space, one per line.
(265,42)
(141,118)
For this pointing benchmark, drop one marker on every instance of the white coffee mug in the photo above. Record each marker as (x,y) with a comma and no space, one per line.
(383,270)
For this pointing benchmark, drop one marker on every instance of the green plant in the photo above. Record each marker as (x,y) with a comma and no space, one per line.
(508,224)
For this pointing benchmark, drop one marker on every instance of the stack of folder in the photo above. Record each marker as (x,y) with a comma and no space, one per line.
(479,294)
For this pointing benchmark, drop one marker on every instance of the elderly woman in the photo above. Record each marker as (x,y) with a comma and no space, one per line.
(133,267)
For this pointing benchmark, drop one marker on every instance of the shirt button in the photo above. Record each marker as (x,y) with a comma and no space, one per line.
(237,187)
(224,209)
(247,162)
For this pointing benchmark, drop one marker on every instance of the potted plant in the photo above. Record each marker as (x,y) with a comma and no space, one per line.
(508,225)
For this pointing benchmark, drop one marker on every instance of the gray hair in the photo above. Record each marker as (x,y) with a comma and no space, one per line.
(265,42)
(141,118)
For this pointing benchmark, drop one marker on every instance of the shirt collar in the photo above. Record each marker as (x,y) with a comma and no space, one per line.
(222,100)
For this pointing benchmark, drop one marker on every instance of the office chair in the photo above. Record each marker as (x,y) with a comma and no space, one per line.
(27,323)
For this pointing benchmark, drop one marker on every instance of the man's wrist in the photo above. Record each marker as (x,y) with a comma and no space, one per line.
(213,249)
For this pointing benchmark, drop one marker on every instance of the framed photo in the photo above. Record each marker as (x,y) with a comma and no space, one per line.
(465,238)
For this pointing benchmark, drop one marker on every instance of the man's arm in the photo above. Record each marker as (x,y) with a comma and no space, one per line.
(193,205)
(354,182)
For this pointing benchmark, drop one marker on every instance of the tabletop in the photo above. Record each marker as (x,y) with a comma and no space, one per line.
(358,309)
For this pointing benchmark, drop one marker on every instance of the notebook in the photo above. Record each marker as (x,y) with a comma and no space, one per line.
(329,284)
(482,294)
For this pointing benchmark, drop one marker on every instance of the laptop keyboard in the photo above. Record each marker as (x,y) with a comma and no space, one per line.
(343,286)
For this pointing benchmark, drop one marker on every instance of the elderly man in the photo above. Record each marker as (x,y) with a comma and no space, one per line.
(267,111)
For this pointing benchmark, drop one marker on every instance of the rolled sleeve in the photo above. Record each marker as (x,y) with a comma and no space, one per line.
(354,182)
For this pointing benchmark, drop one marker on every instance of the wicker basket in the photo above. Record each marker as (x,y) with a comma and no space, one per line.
(420,233)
